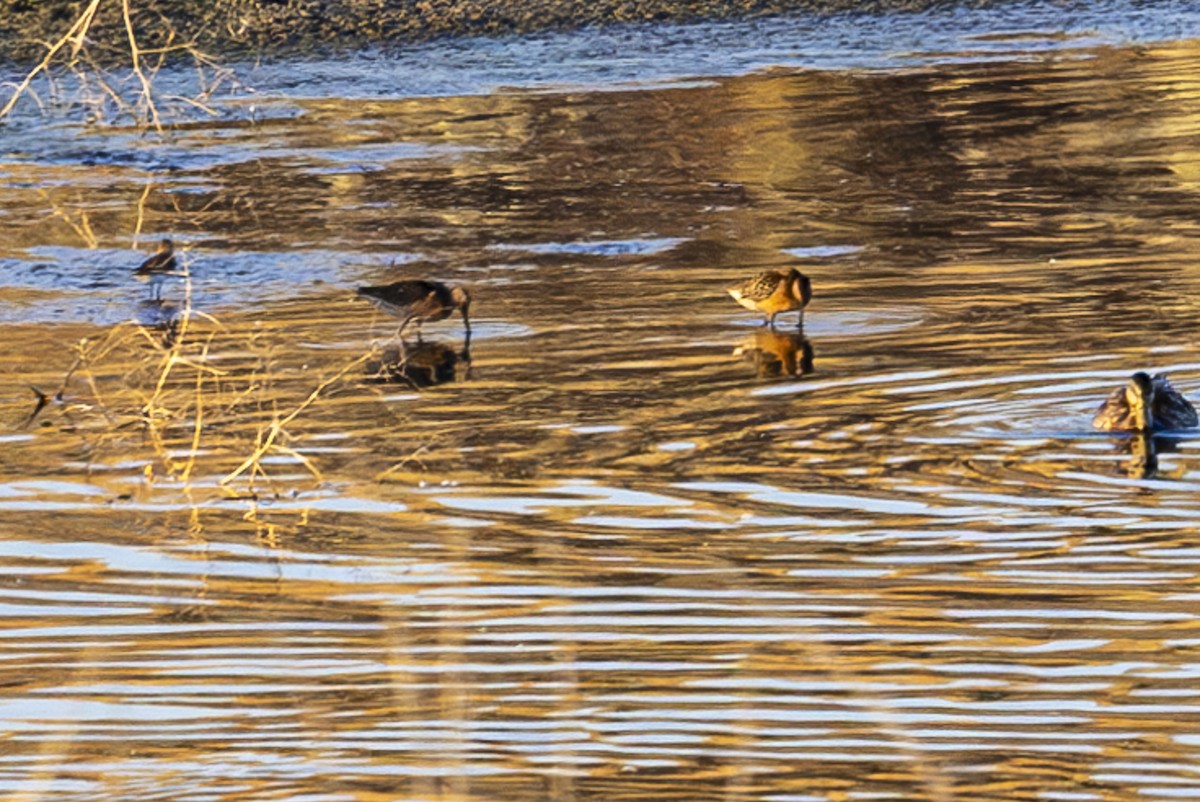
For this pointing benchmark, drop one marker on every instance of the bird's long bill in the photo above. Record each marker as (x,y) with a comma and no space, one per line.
(466,320)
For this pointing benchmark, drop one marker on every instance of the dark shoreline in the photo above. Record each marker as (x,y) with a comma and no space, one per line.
(240,28)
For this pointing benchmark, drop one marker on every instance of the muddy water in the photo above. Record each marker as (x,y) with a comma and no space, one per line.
(629,543)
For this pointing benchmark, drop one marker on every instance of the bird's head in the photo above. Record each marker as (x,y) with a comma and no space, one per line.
(1140,395)
(800,285)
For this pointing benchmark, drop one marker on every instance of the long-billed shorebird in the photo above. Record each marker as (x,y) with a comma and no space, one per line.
(420,301)
(773,292)
(158,267)
(1146,404)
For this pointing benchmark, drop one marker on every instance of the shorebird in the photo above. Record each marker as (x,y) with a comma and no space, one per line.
(1145,405)
(157,267)
(421,301)
(773,292)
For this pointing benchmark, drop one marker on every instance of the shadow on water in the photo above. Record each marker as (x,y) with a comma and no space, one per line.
(616,562)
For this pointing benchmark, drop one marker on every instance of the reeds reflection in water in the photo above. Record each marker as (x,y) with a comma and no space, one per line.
(616,562)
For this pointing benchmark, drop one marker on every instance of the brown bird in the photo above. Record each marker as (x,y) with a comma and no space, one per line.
(1145,405)
(773,292)
(157,267)
(421,301)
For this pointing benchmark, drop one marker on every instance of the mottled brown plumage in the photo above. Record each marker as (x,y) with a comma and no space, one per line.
(1145,405)
(773,292)
(420,300)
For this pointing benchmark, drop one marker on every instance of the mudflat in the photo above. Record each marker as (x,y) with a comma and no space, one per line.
(279,27)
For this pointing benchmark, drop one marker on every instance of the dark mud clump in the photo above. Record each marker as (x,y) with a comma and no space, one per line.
(280,27)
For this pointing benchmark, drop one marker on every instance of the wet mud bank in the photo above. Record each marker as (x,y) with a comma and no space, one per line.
(300,27)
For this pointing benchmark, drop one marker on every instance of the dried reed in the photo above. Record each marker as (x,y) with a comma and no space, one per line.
(157,390)
(69,55)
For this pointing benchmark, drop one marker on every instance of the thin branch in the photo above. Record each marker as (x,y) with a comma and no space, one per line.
(135,55)
(278,425)
(74,35)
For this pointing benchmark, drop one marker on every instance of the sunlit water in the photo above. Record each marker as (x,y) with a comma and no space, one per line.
(637,545)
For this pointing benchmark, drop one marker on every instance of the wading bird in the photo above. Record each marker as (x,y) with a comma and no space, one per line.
(772,292)
(420,301)
(158,267)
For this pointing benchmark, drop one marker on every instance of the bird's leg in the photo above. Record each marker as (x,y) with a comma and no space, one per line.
(800,321)
(404,325)
(402,354)
(771,321)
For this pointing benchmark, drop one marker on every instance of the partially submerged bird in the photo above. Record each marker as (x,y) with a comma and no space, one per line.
(1146,404)
(774,292)
(161,264)
(421,301)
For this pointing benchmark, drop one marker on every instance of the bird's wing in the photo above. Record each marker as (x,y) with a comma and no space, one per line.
(1113,414)
(1170,407)
(156,263)
(402,293)
(760,287)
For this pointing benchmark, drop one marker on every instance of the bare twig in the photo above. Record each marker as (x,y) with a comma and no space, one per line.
(83,228)
(135,55)
(277,427)
(74,36)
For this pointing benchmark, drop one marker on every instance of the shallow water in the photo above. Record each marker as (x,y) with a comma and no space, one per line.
(637,545)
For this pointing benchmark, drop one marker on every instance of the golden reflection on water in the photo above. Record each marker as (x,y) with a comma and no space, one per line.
(643,547)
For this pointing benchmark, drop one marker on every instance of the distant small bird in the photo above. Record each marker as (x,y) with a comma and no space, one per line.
(161,264)
(421,301)
(1145,405)
(773,292)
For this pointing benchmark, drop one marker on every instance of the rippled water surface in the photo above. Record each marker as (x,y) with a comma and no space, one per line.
(627,543)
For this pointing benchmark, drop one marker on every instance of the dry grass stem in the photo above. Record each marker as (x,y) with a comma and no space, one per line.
(135,57)
(98,88)
(277,427)
(155,386)
(74,36)
(82,227)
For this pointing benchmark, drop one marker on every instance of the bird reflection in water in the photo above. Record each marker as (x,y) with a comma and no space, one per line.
(1143,449)
(160,316)
(423,364)
(776,354)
